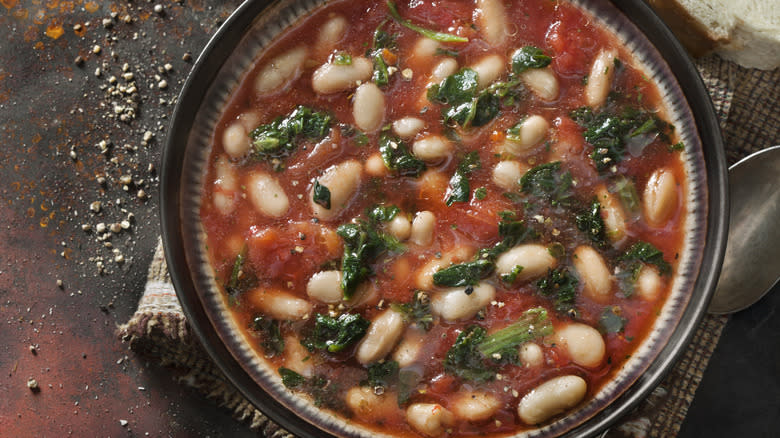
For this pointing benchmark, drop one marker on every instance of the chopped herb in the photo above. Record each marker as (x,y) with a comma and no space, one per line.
(240,280)
(438,36)
(459,188)
(529,57)
(463,274)
(474,355)
(446,52)
(321,195)
(417,311)
(679,146)
(591,223)
(480,193)
(612,132)
(560,285)
(398,158)
(381,374)
(363,243)
(279,138)
(512,275)
(268,328)
(546,181)
(610,320)
(383,213)
(342,59)
(647,253)
(513,133)
(357,136)
(381,75)
(318,387)
(335,334)
(290,378)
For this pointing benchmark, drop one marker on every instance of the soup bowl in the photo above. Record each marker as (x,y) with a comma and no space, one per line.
(216,74)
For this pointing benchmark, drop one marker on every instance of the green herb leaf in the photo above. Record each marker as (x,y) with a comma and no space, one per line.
(446,52)
(290,378)
(627,194)
(335,334)
(501,346)
(342,58)
(417,311)
(512,233)
(463,274)
(647,253)
(512,275)
(321,389)
(591,223)
(270,333)
(529,57)
(546,181)
(383,213)
(610,321)
(398,158)
(459,188)
(381,374)
(560,285)
(463,104)
(280,138)
(321,195)
(480,193)
(362,245)
(464,360)
(438,36)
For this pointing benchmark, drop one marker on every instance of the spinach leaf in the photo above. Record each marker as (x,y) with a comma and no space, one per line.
(529,57)
(381,374)
(398,158)
(321,389)
(512,232)
(610,320)
(561,285)
(382,213)
(464,360)
(591,223)
(546,181)
(512,275)
(480,193)
(459,189)
(417,311)
(268,328)
(240,279)
(629,198)
(463,104)
(438,36)
(611,131)
(647,253)
(362,245)
(335,334)
(321,195)
(463,274)
(279,139)
(290,378)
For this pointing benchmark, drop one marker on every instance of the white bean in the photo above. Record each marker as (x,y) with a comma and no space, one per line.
(613,215)
(408,350)
(445,67)
(600,78)
(534,258)
(400,227)
(583,343)
(235,140)
(267,195)
(429,418)
(542,82)
(279,304)
(225,185)
(507,174)
(531,355)
(551,398)
(493,21)
(249,120)
(366,404)
(408,127)
(648,283)
(375,165)
(424,276)
(488,69)
(432,148)
(381,338)
(593,271)
(425,48)
(458,303)
(330,34)
(660,197)
(280,71)
(325,286)
(368,107)
(342,180)
(532,130)
(474,405)
(333,78)
(297,357)
(423,226)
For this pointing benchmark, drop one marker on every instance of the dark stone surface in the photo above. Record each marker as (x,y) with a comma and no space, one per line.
(739,395)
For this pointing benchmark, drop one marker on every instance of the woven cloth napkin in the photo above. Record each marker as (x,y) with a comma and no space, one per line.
(747,103)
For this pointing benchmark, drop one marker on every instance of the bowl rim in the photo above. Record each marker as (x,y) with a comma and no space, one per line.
(205,70)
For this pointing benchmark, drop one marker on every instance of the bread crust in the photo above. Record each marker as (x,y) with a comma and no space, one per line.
(696,37)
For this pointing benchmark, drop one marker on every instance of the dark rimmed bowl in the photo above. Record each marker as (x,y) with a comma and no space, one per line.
(228,55)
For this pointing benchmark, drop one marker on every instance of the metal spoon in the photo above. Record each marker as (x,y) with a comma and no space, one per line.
(751,266)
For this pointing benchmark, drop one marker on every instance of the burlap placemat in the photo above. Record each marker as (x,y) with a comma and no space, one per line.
(747,105)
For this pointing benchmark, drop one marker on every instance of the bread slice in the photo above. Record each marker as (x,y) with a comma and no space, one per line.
(744,31)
